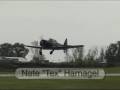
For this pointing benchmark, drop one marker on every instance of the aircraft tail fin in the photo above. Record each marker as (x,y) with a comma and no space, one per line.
(65,43)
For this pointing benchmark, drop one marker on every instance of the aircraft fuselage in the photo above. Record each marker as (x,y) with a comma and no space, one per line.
(50,45)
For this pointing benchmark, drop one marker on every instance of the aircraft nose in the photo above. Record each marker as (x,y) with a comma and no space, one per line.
(42,42)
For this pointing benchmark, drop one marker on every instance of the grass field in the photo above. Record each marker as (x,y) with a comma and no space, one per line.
(108,83)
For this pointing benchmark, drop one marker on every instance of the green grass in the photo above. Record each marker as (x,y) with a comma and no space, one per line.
(112,69)
(13,83)
(108,83)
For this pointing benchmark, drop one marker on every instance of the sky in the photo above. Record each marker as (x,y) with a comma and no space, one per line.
(90,23)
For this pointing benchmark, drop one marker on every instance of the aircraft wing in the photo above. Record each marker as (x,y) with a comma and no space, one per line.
(33,46)
(57,47)
(67,47)
(74,46)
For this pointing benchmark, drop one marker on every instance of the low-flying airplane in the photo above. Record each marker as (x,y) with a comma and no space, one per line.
(52,45)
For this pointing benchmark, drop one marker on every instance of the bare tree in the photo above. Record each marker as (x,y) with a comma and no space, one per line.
(77,55)
(102,54)
(92,54)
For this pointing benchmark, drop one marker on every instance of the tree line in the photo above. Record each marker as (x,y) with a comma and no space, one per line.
(109,55)
(13,50)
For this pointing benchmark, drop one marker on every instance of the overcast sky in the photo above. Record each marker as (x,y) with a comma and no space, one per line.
(88,23)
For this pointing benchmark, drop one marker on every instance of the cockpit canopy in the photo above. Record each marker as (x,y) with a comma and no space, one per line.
(52,41)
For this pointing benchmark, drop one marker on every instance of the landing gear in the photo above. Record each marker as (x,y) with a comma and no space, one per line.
(51,51)
(40,52)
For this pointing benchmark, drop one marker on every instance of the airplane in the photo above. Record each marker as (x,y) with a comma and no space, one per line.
(52,45)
